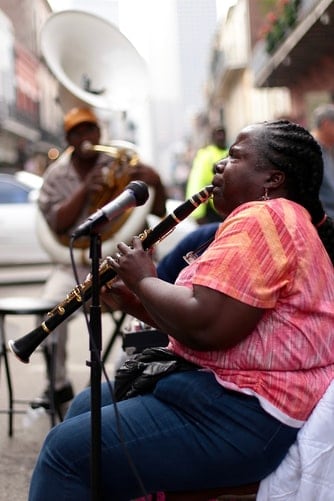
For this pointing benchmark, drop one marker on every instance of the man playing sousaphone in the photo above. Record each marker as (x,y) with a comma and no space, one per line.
(70,189)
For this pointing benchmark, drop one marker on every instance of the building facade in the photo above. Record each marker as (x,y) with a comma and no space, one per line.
(232,94)
(30,121)
(298,53)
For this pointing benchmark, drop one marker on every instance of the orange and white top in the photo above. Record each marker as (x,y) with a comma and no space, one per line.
(269,255)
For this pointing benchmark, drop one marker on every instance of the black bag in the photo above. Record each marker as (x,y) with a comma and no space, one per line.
(140,373)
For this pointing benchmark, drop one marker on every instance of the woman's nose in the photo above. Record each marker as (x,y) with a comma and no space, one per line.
(218,167)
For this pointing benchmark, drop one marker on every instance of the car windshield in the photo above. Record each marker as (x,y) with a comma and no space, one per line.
(11,193)
(19,240)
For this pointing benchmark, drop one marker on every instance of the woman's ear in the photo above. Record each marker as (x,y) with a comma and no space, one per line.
(275,179)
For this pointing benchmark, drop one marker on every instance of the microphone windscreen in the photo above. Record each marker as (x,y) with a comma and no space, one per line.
(140,191)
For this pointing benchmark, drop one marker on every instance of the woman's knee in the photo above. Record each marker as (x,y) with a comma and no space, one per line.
(82,401)
(80,404)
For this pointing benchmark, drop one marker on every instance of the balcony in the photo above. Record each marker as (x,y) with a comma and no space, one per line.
(299,49)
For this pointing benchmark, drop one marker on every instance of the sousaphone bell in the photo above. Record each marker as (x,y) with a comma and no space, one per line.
(95,65)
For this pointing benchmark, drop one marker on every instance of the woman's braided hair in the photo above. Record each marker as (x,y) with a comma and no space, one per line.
(290,148)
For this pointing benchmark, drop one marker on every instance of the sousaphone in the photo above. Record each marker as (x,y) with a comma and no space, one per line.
(95,65)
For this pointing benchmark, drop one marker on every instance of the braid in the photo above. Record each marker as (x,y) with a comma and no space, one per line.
(293,150)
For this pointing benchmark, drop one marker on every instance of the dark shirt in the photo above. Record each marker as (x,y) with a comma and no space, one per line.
(170,265)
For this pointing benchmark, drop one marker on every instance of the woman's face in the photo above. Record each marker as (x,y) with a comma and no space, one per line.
(237,180)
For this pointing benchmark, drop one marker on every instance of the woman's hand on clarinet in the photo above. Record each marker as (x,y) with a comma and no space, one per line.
(132,264)
(117,297)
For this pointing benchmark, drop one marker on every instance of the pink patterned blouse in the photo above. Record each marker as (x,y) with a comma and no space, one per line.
(268,255)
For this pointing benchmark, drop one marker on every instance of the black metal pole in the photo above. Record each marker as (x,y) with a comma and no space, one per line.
(95,368)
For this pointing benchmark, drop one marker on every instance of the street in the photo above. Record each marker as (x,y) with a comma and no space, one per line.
(19,452)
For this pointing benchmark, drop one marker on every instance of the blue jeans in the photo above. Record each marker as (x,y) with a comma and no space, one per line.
(189,434)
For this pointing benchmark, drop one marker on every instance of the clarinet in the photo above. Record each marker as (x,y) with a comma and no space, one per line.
(26,345)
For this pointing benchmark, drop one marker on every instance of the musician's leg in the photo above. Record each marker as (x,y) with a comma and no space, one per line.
(189,434)
(59,284)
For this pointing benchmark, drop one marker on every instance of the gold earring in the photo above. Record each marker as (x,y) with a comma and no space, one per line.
(266,195)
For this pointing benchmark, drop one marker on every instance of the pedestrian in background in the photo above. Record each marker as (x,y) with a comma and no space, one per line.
(323,132)
(202,171)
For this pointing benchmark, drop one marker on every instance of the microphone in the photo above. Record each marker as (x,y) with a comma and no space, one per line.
(135,194)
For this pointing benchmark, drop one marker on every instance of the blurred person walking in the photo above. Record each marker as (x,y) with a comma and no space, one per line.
(202,171)
(323,132)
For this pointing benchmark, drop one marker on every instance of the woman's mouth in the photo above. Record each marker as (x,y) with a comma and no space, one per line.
(216,188)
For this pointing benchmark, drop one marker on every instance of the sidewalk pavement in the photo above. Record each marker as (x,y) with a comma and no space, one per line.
(19,452)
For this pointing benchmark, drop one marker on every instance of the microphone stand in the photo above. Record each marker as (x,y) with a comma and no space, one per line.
(95,344)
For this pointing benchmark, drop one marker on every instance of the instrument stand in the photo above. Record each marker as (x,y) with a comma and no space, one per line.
(95,342)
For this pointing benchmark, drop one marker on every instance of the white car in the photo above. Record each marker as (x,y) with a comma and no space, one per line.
(19,244)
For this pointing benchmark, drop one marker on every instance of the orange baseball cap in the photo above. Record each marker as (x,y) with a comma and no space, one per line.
(77,116)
